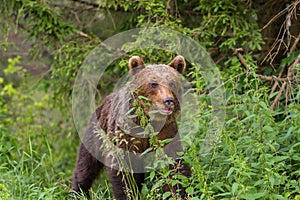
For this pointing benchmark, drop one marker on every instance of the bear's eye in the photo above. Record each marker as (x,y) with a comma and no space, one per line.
(153,85)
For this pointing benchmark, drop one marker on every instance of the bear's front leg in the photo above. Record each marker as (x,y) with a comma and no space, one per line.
(118,180)
(179,167)
(87,169)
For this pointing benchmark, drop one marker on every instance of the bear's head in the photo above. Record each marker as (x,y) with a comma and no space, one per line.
(159,85)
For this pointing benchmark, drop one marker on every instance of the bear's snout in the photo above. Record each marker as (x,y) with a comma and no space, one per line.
(169,102)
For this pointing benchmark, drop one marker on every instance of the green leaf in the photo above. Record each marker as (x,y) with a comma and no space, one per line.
(130,110)
(234,188)
(254,196)
(190,190)
(152,175)
(268,129)
(147,151)
(259,182)
(143,97)
(166,195)
(231,120)
(230,171)
(263,105)
(279,159)
(289,60)
(248,118)
(272,180)
(165,141)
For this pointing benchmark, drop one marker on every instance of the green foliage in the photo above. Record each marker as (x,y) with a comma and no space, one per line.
(230,21)
(256,158)
(3,192)
(31,165)
(290,59)
(66,62)
(44,22)
(258,155)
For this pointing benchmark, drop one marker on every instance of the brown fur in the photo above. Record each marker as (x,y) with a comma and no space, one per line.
(160,84)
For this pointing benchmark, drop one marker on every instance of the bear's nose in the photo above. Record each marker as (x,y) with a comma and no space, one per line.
(169,102)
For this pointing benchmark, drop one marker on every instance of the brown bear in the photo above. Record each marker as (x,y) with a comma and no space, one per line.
(152,94)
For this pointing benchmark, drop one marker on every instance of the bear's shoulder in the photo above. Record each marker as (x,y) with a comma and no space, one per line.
(113,105)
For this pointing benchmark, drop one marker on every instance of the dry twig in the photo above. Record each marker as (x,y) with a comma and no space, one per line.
(282,69)
(291,69)
(284,31)
(277,98)
(295,43)
(236,51)
(290,76)
(277,79)
(286,81)
(83,34)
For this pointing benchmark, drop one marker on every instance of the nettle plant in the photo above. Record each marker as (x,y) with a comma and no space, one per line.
(258,155)
(161,177)
(157,178)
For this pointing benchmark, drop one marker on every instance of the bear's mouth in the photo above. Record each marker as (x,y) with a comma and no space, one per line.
(165,111)
(160,111)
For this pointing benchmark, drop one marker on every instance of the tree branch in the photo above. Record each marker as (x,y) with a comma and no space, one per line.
(276,82)
(236,51)
(292,67)
(290,75)
(278,79)
(295,44)
(277,98)
(270,78)
(282,69)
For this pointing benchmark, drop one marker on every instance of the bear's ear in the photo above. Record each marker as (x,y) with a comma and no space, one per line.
(178,63)
(135,64)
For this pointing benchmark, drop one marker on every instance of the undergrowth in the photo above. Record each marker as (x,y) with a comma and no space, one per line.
(257,157)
